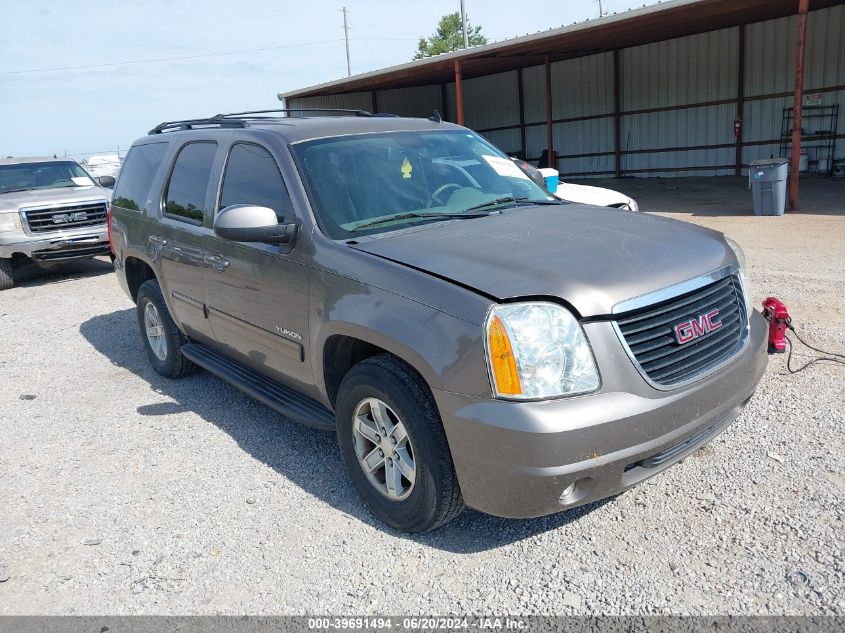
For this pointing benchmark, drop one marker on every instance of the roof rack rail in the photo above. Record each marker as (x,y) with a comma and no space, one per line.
(188,124)
(241,119)
(340,111)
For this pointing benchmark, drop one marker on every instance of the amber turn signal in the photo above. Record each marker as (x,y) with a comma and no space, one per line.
(502,360)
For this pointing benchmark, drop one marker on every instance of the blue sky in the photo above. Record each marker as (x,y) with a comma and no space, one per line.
(97,109)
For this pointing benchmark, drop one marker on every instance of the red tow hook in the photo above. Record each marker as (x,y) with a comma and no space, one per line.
(778,317)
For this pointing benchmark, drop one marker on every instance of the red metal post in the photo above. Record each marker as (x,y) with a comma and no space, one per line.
(740,99)
(550,142)
(803,7)
(459,92)
(521,96)
(617,122)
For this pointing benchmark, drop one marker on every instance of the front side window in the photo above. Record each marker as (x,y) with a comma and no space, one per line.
(371,183)
(136,175)
(185,196)
(42,175)
(252,177)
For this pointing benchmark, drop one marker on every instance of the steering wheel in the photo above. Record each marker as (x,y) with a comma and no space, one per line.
(443,189)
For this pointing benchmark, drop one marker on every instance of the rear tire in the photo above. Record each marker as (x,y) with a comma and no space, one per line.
(430,497)
(7,275)
(161,338)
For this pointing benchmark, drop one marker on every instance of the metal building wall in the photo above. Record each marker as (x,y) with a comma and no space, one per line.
(680,72)
(769,76)
(351,101)
(491,103)
(420,101)
(678,100)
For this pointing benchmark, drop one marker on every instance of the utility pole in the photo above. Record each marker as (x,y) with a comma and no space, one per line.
(464,24)
(601,10)
(346,37)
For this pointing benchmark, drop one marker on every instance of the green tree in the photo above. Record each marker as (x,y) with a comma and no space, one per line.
(449,36)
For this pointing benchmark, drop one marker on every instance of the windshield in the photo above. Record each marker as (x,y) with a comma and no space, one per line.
(24,176)
(371,183)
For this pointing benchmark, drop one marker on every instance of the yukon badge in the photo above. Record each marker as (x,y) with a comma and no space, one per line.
(289,333)
(691,329)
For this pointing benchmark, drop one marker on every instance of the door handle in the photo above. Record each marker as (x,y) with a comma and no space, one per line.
(218,263)
(157,240)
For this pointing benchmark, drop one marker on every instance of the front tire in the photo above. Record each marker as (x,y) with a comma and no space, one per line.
(161,338)
(394,448)
(7,275)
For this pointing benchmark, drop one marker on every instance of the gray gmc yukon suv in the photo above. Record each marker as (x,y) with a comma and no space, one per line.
(51,212)
(400,282)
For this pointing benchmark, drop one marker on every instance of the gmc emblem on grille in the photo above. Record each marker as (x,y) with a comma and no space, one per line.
(692,329)
(64,218)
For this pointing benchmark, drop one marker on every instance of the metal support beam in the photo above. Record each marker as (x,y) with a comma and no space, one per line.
(550,141)
(520,91)
(740,99)
(617,119)
(459,93)
(803,7)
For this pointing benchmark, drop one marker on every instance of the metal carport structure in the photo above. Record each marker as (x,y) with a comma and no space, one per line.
(686,87)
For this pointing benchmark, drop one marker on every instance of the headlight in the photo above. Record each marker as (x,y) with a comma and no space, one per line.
(743,273)
(10,222)
(538,350)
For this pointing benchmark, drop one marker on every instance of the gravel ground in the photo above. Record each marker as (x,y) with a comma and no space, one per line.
(125,493)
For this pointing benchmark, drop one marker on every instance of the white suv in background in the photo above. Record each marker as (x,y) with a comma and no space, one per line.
(581,194)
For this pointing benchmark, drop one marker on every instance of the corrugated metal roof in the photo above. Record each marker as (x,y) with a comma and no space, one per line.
(661,21)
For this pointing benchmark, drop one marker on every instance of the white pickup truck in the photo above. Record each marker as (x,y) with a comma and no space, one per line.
(51,211)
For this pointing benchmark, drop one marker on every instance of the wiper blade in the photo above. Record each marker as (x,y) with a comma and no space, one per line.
(413,215)
(504,199)
(14,190)
(492,202)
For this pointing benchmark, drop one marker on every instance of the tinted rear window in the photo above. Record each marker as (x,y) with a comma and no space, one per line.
(136,175)
(185,198)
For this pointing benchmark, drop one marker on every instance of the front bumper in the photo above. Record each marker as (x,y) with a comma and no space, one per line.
(57,246)
(517,459)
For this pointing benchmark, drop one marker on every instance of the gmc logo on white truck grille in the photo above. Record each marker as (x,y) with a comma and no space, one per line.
(689,330)
(64,218)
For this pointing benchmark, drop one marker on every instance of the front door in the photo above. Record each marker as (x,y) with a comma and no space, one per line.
(178,239)
(257,294)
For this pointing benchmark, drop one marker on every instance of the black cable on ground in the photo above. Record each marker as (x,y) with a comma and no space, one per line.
(832,357)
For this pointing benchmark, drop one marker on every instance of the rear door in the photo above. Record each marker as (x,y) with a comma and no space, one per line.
(178,240)
(257,294)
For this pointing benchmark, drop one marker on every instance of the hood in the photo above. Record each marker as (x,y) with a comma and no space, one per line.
(48,197)
(591,258)
(584,194)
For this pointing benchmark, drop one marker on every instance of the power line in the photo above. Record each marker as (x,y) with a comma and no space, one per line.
(167,59)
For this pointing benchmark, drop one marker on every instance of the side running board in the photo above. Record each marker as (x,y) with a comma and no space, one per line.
(286,401)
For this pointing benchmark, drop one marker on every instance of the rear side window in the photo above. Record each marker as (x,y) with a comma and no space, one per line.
(252,177)
(185,195)
(136,175)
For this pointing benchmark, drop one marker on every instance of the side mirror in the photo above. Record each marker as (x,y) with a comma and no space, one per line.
(249,223)
(106,181)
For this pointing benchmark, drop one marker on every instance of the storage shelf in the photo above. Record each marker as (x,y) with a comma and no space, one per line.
(822,145)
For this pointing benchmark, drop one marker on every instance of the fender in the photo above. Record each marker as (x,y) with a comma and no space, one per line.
(448,352)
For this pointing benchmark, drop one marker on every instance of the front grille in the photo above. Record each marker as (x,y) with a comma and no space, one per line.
(649,332)
(71,216)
